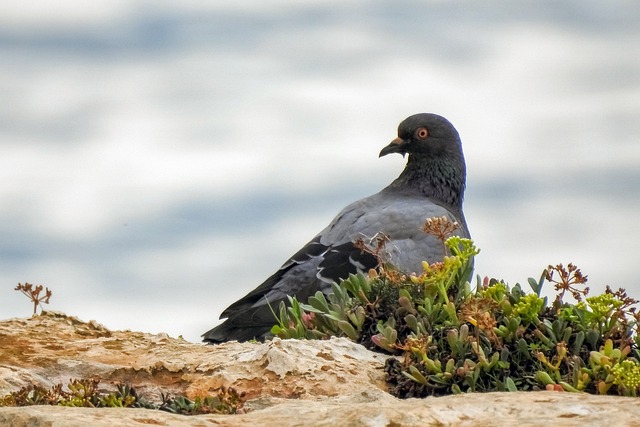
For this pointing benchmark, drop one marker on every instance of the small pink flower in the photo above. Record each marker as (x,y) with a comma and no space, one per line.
(308,320)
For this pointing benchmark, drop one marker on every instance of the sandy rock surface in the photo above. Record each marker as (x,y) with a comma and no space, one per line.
(287,383)
(53,347)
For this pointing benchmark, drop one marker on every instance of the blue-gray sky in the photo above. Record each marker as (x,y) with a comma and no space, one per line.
(158,160)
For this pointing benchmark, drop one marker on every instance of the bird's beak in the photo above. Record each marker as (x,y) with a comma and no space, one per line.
(397,146)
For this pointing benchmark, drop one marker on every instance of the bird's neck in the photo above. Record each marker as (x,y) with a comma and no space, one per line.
(436,179)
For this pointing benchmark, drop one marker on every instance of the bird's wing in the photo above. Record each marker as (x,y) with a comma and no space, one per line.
(333,254)
(292,278)
(400,219)
(311,269)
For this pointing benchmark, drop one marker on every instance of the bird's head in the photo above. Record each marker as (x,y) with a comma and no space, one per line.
(436,166)
(425,136)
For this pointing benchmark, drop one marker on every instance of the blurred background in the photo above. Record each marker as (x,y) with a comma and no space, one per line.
(158,160)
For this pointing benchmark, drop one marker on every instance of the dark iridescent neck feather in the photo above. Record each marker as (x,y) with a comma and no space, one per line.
(437,179)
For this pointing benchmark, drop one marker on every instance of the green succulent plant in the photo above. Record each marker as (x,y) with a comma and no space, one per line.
(452,338)
(85,393)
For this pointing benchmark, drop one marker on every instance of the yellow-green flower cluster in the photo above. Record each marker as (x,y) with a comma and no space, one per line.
(627,374)
(496,292)
(603,305)
(528,307)
(439,271)
(462,247)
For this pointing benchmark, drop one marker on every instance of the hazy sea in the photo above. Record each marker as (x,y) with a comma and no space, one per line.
(158,160)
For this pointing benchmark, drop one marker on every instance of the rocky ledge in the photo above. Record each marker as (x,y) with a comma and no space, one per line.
(286,383)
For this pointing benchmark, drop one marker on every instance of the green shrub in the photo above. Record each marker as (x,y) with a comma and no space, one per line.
(448,338)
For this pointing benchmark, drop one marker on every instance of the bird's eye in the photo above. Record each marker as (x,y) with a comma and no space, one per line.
(422,133)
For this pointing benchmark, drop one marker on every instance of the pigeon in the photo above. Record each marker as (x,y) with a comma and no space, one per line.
(431,185)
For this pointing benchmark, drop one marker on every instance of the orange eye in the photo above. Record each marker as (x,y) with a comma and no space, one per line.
(422,133)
